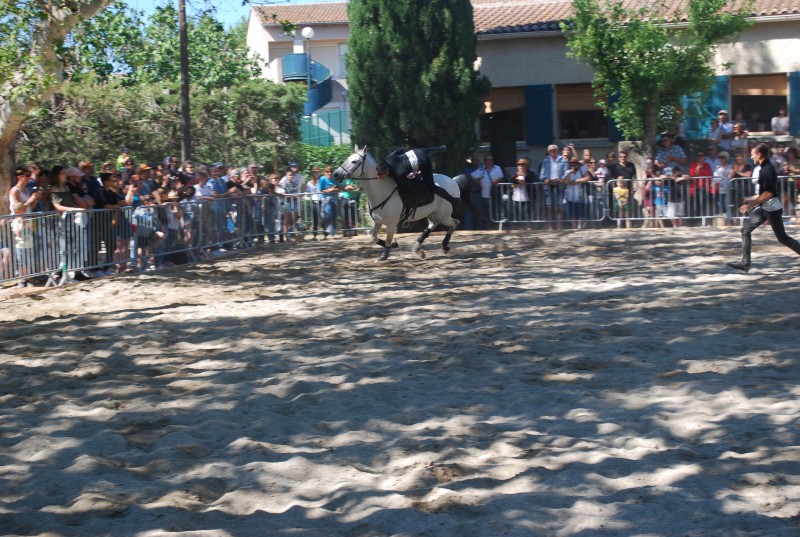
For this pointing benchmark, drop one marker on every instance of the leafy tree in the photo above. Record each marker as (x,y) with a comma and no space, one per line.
(31,36)
(411,75)
(645,64)
(253,121)
(121,42)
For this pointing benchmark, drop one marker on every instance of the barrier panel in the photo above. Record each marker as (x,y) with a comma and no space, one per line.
(52,248)
(550,204)
(647,202)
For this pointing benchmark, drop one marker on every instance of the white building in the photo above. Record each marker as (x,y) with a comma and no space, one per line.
(539,95)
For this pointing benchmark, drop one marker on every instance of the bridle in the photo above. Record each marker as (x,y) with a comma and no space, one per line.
(348,174)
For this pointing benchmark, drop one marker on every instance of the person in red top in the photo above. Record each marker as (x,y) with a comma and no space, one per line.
(700,186)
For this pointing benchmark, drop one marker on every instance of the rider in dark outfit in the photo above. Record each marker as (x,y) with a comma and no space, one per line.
(406,167)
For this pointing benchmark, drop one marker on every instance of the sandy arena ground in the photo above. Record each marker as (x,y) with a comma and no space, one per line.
(528,384)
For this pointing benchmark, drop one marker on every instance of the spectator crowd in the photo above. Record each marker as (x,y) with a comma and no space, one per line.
(704,181)
(75,223)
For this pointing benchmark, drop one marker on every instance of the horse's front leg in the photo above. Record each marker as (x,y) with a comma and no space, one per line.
(380,242)
(376,229)
(417,248)
(392,244)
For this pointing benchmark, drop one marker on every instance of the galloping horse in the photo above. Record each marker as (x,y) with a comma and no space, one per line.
(386,207)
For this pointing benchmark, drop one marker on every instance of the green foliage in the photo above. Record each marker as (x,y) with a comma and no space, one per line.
(253,121)
(119,42)
(411,76)
(644,64)
(309,156)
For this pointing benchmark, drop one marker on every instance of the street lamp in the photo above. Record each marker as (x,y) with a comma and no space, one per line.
(308,33)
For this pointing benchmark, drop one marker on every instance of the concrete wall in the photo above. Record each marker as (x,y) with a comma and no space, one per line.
(768,47)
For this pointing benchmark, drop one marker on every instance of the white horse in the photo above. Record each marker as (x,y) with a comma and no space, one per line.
(386,206)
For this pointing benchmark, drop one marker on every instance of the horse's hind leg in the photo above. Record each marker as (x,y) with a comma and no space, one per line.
(417,249)
(450,229)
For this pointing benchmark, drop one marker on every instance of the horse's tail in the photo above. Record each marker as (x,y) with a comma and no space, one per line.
(463,186)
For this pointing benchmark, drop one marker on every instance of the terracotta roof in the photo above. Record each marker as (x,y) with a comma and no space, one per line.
(322,13)
(513,16)
(501,16)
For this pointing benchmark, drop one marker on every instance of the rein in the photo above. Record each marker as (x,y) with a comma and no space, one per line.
(384,202)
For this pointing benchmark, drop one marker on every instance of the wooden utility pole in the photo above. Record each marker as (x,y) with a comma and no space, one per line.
(186,134)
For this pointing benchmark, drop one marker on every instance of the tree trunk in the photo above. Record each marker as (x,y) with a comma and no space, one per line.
(650,128)
(46,65)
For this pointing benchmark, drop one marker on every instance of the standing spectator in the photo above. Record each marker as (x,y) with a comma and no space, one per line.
(720,185)
(595,176)
(669,154)
(523,192)
(487,176)
(741,170)
(149,232)
(351,194)
(330,201)
(624,169)
(622,201)
(659,193)
(763,207)
(712,157)
(73,225)
(675,182)
(146,177)
(551,171)
(778,157)
(780,123)
(474,190)
(738,138)
(22,203)
(575,193)
(291,185)
(699,187)
(122,158)
(268,205)
(725,130)
(792,165)
(587,157)
(295,167)
(113,227)
(714,134)
(187,171)
(89,178)
(315,200)
(600,199)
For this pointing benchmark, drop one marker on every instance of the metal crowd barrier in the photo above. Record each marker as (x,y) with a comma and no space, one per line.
(705,201)
(51,247)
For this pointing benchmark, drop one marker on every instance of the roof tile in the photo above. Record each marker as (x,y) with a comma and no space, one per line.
(504,16)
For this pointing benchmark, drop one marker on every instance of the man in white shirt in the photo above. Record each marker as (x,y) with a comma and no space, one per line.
(486,176)
(725,130)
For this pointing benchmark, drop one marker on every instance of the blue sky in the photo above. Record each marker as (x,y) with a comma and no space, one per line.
(229,12)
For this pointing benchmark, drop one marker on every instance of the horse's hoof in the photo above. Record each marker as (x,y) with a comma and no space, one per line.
(446,250)
(384,256)
(395,245)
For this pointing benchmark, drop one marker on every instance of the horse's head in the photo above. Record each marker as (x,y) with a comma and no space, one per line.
(353,166)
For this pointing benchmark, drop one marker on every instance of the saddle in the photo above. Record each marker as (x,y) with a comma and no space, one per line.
(414,193)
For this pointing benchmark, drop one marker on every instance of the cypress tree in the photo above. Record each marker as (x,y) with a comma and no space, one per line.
(411,77)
